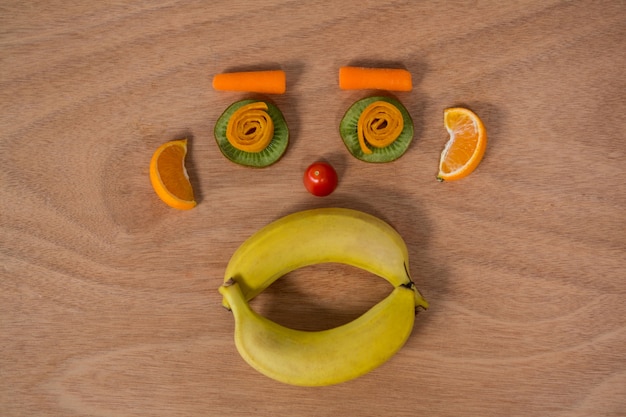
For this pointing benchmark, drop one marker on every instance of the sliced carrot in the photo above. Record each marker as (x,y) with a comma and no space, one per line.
(359,78)
(268,82)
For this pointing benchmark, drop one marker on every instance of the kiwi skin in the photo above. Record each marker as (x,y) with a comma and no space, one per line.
(268,156)
(348,132)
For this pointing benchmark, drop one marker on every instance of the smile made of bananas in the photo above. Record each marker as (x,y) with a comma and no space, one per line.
(327,357)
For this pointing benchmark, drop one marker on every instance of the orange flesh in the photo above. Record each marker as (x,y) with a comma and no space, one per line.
(466,146)
(250,128)
(169,177)
(173,173)
(379,125)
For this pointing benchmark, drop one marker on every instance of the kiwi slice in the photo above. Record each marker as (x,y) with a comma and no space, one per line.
(348,132)
(271,154)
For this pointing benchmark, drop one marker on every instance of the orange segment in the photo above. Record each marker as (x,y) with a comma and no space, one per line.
(169,176)
(466,146)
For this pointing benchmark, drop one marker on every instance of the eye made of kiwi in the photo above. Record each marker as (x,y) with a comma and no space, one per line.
(252,133)
(377,129)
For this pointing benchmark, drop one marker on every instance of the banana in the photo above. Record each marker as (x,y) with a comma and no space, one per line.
(324,357)
(305,238)
(317,236)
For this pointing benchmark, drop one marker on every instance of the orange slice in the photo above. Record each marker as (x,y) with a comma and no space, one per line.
(169,176)
(466,146)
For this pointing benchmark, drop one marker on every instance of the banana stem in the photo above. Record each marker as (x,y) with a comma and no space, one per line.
(420,301)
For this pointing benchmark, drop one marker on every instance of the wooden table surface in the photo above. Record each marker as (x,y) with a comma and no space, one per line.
(108,298)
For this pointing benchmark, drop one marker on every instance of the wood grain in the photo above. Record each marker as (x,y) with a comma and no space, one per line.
(108,299)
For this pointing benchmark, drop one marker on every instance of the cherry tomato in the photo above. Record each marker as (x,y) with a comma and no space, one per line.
(320,179)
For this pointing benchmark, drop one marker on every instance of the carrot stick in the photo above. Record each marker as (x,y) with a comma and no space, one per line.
(359,78)
(269,82)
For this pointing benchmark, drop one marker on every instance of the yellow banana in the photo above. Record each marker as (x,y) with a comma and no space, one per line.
(316,236)
(310,237)
(324,357)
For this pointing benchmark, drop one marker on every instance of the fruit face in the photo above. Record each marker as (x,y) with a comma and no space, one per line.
(320,179)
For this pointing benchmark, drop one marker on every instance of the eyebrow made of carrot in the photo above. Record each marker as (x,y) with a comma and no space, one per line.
(361,78)
(268,82)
